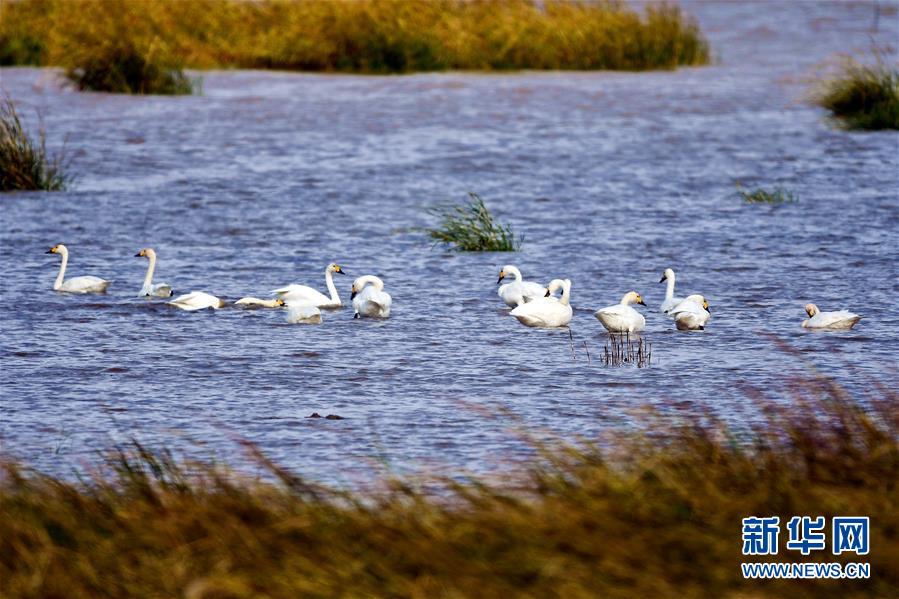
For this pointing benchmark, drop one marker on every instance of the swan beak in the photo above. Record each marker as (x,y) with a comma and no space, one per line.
(137,255)
(641,302)
(353,294)
(663,279)
(50,251)
(547,293)
(340,272)
(705,305)
(502,275)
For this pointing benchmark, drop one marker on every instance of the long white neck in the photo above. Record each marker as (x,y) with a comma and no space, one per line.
(627,299)
(669,292)
(515,273)
(566,294)
(148,280)
(329,282)
(377,283)
(62,269)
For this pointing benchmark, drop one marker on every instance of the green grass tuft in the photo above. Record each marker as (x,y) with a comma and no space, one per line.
(864,97)
(646,515)
(121,68)
(777,195)
(25,164)
(470,228)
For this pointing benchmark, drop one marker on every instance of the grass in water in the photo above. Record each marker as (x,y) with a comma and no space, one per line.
(656,514)
(777,195)
(373,36)
(470,228)
(25,164)
(864,97)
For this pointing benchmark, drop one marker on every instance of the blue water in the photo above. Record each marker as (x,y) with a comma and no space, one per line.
(267,177)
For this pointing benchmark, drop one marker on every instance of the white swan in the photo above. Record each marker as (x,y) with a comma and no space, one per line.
(692,314)
(197,300)
(369,298)
(86,284)
(518,291)
(149,289)
(255,302)
(670,300)
(841,319)
(547,311)
(621,318)
(302,294)
(303,314)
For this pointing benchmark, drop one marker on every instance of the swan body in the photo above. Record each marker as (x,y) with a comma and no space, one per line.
(519,291)
(692,314)
(303,294)
(303,314)
(197,300)
(621,318)
(255,302)
(841,319)
(149,289)
(670,301)
(369,298)
(548,311)
(86,284)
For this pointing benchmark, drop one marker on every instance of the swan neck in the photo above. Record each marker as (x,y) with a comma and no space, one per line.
(515,273)
(148,280)
(329,282)
(62,270)
(669,292)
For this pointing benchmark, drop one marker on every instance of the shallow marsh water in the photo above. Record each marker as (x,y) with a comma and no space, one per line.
(611,177)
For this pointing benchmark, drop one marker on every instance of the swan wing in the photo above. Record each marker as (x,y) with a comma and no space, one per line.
(301,294)
(85,284)
(670,303)
(303,314)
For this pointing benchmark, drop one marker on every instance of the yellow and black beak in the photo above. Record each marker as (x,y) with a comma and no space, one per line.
(51,251)
(706,306)
(339,271)
(353,293)
(641,302)
(502,275)
(139,255)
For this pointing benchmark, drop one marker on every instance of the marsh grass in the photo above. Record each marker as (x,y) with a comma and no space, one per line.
(622,350)
(471,228)
(373,36)
(864,96)
(122,68)
(776,195)
(25,164)
(655,514)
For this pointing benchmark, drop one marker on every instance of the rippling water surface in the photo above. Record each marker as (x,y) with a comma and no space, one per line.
(611,177)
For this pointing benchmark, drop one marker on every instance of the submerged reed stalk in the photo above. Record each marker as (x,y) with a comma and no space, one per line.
(370,36)
(25,164)
(864,97)
(470,228)
(621,350)
(777,195)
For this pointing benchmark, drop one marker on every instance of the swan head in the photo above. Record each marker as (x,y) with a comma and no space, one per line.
(632,297)
(668,274)
(145,253)
(361,282)
(58,249)
(335,268)
(811,310)
(279,302)
(506,271)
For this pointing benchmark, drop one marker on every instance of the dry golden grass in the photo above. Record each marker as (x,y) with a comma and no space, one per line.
(373,36)
(648,516)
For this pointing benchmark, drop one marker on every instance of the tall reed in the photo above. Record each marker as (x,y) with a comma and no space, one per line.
(25,164)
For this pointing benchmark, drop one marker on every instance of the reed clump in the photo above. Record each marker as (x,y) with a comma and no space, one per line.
(776,195)
(25,164)
(646,515)
(471,228)
(864,96)
(622,350)
(372,36)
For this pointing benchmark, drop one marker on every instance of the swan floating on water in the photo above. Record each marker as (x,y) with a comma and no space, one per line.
(197,300)
(369,298)
(149,289)
(692,314)
(255,302)
(85,284)
(841,319)
(519,291)
(303,294)
(303,314)
(670,301)
(548,311)
(621,318)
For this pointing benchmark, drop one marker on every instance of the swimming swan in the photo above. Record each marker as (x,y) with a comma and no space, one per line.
(621,318)
(197,300)
(302,294)
(255,302)
(369,298)
(86,284)
(149,289)
(692,314)
(670,300)
(518,291)
(303,314)
(841,319)
(547,311)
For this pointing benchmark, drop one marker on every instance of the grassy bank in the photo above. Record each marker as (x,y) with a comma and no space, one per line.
(864,96)
(375,36)
(652,515)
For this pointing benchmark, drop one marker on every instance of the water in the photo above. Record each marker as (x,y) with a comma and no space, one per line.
(611,177)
